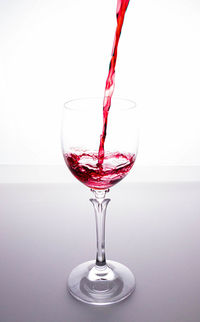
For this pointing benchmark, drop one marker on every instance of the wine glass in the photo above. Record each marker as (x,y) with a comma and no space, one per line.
(100,282)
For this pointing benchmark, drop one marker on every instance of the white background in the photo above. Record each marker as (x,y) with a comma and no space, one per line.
(52,51)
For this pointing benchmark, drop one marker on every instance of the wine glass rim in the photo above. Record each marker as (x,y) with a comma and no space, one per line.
(131,104)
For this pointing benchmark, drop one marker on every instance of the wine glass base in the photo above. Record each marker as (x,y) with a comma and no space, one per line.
(101,285)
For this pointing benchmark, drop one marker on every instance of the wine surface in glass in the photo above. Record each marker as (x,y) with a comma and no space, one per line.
(85,167)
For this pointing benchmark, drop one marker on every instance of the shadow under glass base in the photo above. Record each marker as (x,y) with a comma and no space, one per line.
(101,285)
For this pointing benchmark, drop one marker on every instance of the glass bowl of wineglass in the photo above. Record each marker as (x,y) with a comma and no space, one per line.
(99,166)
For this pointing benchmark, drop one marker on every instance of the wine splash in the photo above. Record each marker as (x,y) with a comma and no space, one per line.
(84,166)
(110,82)
(101,170)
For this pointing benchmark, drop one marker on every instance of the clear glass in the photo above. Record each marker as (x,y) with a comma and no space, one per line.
(100,282)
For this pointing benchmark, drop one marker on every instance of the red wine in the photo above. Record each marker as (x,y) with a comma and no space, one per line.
(85,167)
(110,82)
(103,169)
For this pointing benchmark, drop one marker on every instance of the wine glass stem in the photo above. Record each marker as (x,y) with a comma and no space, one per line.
(100,205)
